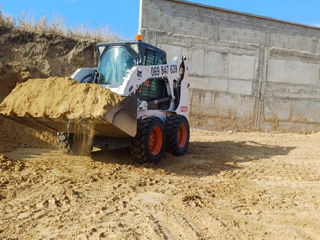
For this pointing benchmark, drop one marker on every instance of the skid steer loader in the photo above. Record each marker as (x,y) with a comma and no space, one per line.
(151,118)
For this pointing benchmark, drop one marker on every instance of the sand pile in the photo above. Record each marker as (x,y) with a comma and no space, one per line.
(57,97)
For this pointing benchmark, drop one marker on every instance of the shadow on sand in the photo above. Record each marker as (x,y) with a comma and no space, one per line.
(202,158)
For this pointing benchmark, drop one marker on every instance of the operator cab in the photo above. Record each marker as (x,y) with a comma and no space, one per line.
(116,59)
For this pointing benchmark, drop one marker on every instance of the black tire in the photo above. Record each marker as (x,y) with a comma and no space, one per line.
(74,144)
(177,135)
(147,146)
(65,142)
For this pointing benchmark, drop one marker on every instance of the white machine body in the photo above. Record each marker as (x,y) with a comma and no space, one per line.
(137,75)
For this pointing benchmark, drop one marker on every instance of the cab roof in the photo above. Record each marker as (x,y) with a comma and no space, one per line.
(141,44)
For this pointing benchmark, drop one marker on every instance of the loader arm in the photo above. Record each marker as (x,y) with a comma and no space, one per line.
(171,72)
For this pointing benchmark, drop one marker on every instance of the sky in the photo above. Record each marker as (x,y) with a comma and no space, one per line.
(122,16)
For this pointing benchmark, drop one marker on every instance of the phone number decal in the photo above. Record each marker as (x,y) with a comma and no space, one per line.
(163,70)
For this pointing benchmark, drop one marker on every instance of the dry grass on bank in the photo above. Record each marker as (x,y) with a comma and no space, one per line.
(57,26)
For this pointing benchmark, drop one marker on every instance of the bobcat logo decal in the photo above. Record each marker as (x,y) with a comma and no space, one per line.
(139,73)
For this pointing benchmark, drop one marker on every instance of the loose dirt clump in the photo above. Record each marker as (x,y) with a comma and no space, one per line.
(58,97)
(7,164)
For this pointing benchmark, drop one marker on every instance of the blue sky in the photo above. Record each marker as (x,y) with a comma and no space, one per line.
(122,16)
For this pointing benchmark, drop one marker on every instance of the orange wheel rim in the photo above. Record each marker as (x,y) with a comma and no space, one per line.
(182,135)
(155,141)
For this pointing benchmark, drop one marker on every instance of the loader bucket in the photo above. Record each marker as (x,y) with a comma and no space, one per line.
(120,121)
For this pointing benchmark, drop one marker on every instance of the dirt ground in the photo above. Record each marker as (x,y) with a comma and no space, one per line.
(228,186)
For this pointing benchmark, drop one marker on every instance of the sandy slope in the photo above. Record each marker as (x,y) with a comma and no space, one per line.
(228,186)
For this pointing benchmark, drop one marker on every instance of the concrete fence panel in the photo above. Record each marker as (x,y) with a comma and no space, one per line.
(246,72)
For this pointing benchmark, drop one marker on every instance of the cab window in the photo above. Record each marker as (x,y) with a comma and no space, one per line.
(149,57)
(153,58)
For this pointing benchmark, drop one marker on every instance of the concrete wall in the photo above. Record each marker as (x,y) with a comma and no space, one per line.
(246,72)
